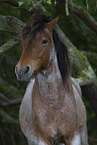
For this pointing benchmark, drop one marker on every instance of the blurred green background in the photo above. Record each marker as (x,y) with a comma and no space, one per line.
(79,33)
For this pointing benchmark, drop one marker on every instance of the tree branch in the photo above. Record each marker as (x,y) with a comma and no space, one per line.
(81,68)
(66,7)
(8,103)
(86,17)
(8,45)
(3,98)
(11,24)
(12,103)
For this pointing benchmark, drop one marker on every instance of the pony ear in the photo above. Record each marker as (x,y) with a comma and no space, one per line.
(52,23)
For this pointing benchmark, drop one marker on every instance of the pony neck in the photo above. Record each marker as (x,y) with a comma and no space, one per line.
(49,80)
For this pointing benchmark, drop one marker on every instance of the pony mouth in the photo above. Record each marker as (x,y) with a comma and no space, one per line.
(23,77)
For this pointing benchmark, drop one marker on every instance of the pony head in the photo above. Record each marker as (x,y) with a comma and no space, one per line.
(37,42)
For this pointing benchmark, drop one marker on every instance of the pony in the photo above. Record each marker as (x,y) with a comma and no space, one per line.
(52,111)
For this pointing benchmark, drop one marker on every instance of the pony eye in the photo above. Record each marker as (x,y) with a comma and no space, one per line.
(45,41)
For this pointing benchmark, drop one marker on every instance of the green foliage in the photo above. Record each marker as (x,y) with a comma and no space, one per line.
(8,10)
(24,2)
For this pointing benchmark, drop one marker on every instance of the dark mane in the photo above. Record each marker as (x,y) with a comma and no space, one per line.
(62,57)
(36,24)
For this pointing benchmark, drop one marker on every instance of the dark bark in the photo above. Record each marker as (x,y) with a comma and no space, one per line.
(89,90)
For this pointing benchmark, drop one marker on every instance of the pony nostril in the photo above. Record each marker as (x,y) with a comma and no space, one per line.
(27,69)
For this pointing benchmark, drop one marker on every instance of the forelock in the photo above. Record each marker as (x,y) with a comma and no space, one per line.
(35,24)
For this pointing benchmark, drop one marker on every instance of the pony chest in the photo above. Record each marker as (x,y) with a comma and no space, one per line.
(51,119)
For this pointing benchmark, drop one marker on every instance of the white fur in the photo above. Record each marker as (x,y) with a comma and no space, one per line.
(25,114)
(53,131)
(47,30)
(42,143)
(76,140)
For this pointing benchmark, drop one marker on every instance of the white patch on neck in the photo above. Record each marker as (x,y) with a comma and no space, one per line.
(25,114)
(76,140)
(29,88)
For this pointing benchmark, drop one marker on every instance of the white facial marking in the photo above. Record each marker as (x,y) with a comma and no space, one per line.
(76,140)
(37,35)
(47,30)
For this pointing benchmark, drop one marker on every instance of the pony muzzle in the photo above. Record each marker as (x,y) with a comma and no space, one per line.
(23,74)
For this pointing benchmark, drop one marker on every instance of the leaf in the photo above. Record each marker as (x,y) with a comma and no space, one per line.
(49,2)
(20,3)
